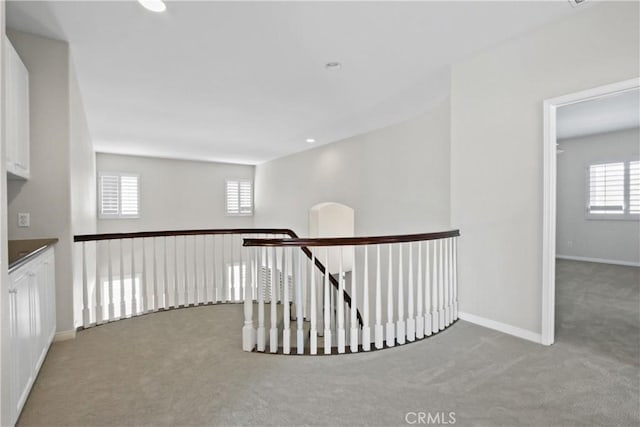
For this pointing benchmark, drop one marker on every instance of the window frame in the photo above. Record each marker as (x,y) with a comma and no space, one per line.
(226,199)
(119,215)
(625,215)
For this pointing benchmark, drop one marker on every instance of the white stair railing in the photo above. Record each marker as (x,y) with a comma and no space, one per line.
(413,276)
(139,273)
(319,291)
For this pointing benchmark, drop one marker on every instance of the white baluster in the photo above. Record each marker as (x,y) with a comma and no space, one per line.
(419,296)
(214,272)
(110,274)
(378,328)
(143,286)
(225,292)
(281,277)
(236,279)
(449,309)
(185,264)
(232,262)
(319,299)
(327,305)
(305,290)
(455,278)
(428,329)
(366,330)
(451,281)
(134,290)
(99,289)
(286,333)
(300,285)
(241,271)
(261,289)
(435,315)
(197,292)
(155,276)
(341,333)
(401,325)
(165,298)
(390,326)
(445,281)
(411,320)
(86,317)
(273,332)
(176,288)
(440,285)
(123,307)
(205,276)
(248,333)
(353,321)
(313,341)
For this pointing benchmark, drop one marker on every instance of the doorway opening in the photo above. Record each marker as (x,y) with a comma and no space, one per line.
(550,173)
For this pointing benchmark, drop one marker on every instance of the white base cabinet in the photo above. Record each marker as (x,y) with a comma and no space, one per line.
(32,324)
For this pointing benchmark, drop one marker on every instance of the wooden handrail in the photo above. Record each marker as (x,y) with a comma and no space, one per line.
(352,241)
(170,233)
(219,231)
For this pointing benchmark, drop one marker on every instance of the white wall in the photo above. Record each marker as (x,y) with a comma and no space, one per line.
(175,194)
(496,150)
(46,195)
(83,184)
(578,236)
(396,179)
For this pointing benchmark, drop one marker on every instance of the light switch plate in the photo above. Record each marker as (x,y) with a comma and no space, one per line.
(24,220)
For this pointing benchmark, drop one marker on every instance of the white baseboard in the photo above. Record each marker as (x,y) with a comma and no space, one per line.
(64,335)
(502,327)
(599,260)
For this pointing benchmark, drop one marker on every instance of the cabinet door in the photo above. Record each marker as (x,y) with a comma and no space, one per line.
(38,313)
(50,268)
(13,345)
(10,111)
(43,315)
(22,119)
(21,339)
(16,113)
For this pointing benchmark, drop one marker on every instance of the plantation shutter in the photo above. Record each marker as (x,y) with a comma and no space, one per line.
(634,187)
(246,198)
(239,197)
(109,200)
(129,195)
(119,195)
(606,188)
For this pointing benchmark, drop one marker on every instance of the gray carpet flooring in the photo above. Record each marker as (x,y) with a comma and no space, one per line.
(185,367)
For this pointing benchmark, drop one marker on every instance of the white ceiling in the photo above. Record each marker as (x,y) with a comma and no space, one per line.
(245,81)
(606,114)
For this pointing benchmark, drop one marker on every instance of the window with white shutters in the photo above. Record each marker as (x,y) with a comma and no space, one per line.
(634,187)
(118,195)
(613,190)
(239,197)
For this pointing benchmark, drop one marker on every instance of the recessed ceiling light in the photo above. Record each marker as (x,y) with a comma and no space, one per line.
(333,65)
(310,140)
(153,5)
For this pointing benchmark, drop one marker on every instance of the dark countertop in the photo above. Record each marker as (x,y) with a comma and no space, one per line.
(20,251)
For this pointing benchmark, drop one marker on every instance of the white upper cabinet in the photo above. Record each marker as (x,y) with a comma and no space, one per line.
(16,113)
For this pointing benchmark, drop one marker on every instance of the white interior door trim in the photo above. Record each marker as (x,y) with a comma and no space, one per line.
(549,194)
